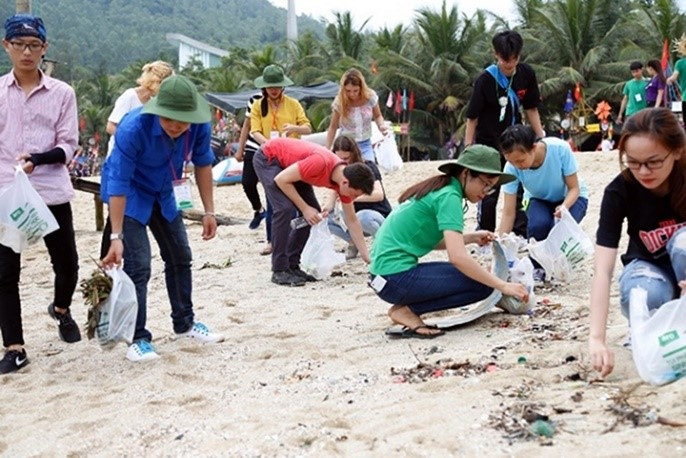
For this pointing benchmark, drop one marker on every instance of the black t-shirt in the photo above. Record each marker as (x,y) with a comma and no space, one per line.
(382,206)
(651,221)
(484,106)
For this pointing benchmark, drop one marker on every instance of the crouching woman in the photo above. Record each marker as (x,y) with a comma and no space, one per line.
(431,216)
(650,194)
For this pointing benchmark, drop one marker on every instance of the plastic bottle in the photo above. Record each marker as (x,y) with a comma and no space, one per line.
(299,222)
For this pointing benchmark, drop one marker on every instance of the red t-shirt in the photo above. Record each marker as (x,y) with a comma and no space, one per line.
(315,163)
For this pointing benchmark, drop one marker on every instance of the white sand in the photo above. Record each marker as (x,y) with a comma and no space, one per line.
(307,371)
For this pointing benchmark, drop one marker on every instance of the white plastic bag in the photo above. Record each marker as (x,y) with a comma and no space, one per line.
(24,217)
(118,314)
(522,272)
(567,245)
(319,256)
(658,342)
(387,155)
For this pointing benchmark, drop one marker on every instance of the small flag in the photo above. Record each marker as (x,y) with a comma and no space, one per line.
(218,114)
(577,92)
(411,100)
(375,69)
(389,100)
(398,102)
(404,99)
(569,103)
(665,54)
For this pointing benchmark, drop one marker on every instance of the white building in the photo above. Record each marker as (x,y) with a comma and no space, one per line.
(190,48)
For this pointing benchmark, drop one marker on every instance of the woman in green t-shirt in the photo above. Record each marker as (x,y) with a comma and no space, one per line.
(432,217)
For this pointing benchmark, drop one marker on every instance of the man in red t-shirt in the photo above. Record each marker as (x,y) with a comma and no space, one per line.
(287,169)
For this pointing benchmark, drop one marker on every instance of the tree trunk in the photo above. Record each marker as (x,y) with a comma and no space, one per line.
(23,6)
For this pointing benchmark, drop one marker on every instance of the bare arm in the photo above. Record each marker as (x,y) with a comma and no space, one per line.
(285,181)
(114,255)
(470,131)
(573,192)
(245,131)
(673,77)
(203,176)
(333,126)
(534,119)
(463,261)
(660,93)
(509,211)
(111,127)
(602,357)
(355,230)
(378,118)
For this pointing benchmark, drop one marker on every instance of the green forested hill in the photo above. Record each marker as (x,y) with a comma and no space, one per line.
(110,34)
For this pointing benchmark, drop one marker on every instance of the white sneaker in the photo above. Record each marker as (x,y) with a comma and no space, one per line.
(141,351)
(201,333)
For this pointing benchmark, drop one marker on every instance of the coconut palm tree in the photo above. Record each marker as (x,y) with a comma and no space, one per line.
(343,38)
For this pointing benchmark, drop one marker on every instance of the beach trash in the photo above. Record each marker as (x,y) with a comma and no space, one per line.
(319,256)
(543,428)
(522,272)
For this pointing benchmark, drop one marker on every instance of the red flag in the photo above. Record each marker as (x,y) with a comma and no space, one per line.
(665,54)
(577,92)
(398,102)
(375,68)
(411,105)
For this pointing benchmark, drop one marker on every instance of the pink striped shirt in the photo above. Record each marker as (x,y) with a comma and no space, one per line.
(34,123)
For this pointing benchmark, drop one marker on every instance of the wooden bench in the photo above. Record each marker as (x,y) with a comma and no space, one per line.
(93,187)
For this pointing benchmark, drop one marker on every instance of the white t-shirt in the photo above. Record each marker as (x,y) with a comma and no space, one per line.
(125,103)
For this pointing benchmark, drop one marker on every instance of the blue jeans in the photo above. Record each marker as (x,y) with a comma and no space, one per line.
(432,286)
(367,150)
(540,216)
(661,284)
(370,220)
(176,254)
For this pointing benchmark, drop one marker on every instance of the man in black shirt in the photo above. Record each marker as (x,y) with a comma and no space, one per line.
(499,94)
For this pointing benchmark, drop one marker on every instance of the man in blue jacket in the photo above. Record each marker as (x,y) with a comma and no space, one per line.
(145,186)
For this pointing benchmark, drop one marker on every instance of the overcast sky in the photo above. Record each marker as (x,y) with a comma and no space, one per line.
(393,12)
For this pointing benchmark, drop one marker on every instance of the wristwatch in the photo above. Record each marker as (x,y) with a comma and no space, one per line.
(116,236)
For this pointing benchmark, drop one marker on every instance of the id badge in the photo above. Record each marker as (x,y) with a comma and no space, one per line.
(273,134)
(183,195)
(378,283)
(638,97)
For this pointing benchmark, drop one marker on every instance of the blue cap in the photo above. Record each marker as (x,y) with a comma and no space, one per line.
(24,25)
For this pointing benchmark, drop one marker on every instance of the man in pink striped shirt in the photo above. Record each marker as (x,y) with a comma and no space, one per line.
(39,130)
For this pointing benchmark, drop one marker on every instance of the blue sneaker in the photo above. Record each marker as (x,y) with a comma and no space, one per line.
(141,350)
(256,220)
(201,333)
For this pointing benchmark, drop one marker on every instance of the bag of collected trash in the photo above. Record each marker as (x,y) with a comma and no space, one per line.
(112,306)
(512,244)
(319,256)
(658,342)
(387,155)
(24,216)
(522,271)
(566,246)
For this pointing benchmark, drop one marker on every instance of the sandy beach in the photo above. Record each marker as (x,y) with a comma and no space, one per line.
(309,372)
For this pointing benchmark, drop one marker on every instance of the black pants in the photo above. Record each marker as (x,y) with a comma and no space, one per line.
(287,243)
(249,181)
(65,263)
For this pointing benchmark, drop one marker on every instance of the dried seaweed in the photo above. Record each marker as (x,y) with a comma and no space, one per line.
(95,290)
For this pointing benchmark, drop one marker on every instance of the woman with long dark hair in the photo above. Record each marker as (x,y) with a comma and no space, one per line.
(656,88)
(431,216)
(650,195)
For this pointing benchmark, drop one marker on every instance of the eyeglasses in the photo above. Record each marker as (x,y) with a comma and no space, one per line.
(21,46)
(488,187)
(653,164)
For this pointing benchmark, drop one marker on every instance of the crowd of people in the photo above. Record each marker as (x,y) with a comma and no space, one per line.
(162,125)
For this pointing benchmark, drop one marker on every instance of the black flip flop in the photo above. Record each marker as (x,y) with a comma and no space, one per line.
(411,333)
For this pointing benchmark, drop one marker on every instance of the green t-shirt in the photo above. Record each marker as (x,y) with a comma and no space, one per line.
(635,90)
(680,67)
(415,228)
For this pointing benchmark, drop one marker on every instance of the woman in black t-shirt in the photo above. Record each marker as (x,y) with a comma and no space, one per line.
(371,210)
(650,194)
